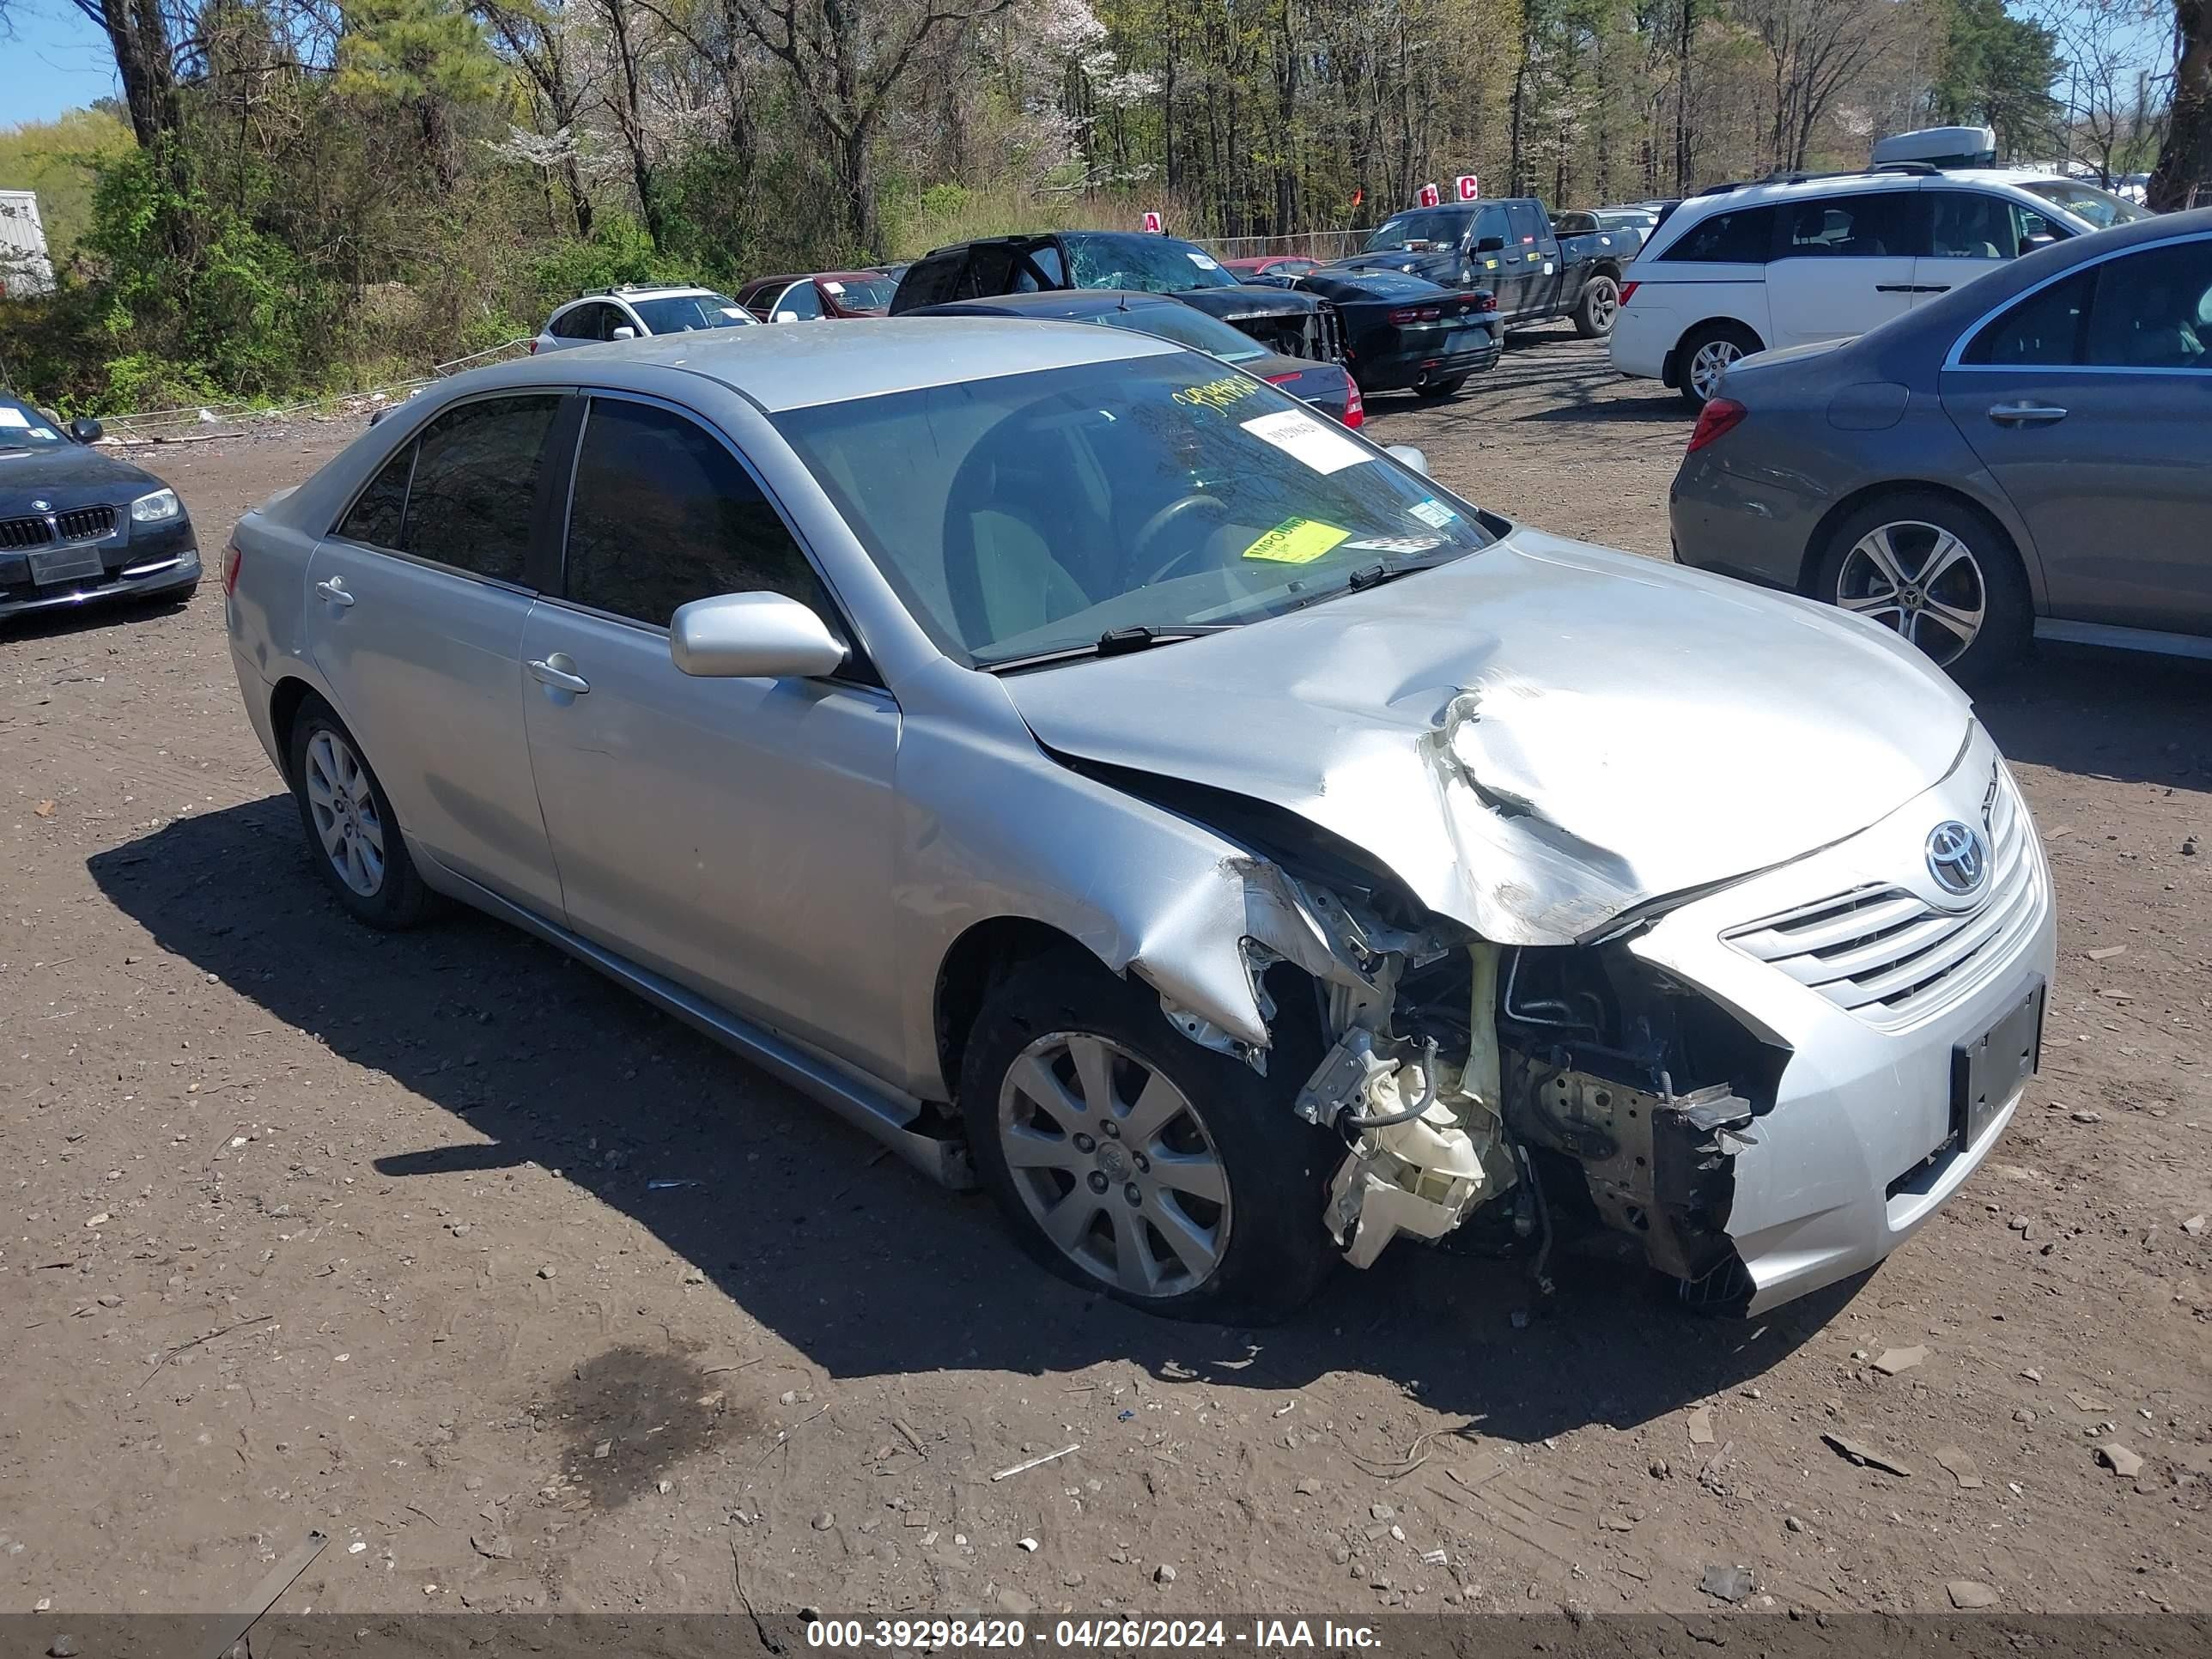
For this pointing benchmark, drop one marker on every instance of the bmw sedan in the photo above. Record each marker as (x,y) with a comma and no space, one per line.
(78,527)
(1099,778)
(2024,458)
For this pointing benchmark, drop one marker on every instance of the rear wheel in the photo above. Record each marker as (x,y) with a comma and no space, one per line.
(1938,571)
(1599,305)
(1437,391)
(1130,1160)
(1706,354)
(353,835)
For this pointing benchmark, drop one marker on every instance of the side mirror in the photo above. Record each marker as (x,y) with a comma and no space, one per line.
(785,317)
(85,429)
(744,636)
(623,331)
(1490,245)
(1406,455)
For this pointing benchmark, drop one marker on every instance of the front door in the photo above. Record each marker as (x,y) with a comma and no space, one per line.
(1843,264)
(2088,399)
(1972,232)
(733,835)
(414,615)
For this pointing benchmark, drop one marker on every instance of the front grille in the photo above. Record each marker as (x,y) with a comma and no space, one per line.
(25,532)
(86,524)
(1890,957)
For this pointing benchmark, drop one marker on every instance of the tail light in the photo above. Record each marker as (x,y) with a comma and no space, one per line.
(1405,314)
(1485,302)
(1284,380)
(1628,291)
(232,558)
(1355,412)
(1719,416)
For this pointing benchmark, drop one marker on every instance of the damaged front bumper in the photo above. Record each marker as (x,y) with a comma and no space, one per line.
(1769,1087)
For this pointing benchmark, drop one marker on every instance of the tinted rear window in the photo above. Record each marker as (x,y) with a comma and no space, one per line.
(1743,236)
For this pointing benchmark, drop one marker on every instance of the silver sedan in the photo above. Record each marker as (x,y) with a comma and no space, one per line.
(1096,776)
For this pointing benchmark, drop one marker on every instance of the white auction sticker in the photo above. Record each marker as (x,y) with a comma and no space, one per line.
(1307,440)
(13,416)
(1433,512)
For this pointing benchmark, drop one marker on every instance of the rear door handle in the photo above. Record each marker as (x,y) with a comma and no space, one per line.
(560,679)
(335,592)
(2026,414)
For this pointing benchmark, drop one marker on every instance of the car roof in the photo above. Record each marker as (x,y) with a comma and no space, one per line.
(786,369)
(637,294)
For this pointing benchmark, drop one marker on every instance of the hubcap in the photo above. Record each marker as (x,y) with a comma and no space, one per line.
(1114,1163)
(344,810)
(1920,579)
(1710,363)
(1603,304)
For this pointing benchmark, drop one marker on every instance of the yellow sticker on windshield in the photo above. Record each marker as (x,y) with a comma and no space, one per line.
(1217,394)
(1296,541)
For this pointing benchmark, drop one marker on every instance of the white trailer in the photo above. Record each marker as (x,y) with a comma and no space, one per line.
(24,267)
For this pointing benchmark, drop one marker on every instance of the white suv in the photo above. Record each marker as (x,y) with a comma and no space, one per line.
(634,314)
(1756,267)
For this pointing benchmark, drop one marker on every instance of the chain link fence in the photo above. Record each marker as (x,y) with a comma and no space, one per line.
(1323,245)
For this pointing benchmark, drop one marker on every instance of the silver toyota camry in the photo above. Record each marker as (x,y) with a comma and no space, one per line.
(1096,776)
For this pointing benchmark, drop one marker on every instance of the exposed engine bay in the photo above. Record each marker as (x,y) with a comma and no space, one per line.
(1567,1086)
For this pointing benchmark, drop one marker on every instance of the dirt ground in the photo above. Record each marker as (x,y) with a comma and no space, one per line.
(532,1299)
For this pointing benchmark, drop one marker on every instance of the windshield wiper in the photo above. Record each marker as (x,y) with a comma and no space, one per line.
(1113,642)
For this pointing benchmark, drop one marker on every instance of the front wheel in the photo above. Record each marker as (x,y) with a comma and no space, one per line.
(1938,571)
(1595,309)
(1130,1160)
(1705,356)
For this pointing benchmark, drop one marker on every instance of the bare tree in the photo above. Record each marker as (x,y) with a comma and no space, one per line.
(2183,176)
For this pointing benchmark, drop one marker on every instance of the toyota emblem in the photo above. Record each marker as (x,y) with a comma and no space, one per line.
(1958,858)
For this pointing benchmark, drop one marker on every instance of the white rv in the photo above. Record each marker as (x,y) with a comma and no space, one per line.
(24,267)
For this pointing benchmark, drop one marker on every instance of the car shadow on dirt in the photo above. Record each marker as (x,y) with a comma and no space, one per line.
(858,1263)
(2123,715)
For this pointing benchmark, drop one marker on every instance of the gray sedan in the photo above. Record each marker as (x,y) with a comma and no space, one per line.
(1093,774)
(2025,457)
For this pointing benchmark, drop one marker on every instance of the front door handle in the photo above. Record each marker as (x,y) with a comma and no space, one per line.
(550,672)
(2026,414)
(334,591)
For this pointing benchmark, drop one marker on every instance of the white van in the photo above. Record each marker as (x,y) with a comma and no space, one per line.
(1746,268)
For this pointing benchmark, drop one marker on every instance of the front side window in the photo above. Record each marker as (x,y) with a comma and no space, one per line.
(1966,224)
(1742,236)
(1143,263)
(2042,330)
(2153,310)
(1881,224)
(475,485)
(662,513)
(1028,516)
(683,313)
(798,303)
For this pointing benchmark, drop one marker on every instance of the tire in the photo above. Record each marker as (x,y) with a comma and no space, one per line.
(1875,560)
(1441,390)
(1714,346)
(353,835)
(1255,1255)
(1597,308)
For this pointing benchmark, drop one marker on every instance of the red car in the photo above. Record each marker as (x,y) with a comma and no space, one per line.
(809,298)
(1280,264)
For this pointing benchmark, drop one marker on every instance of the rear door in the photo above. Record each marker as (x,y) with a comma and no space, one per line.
(2088,398)
(1843,264)
(416,604)
(733,835)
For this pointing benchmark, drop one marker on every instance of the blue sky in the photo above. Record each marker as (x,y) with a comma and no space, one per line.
(56,60)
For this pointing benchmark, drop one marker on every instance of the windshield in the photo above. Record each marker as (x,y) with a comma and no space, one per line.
(861,293)
(1143,263)
(2086,202)
(1034,514)
(689,311)
(1186,327)
(22,427)
(1424,227)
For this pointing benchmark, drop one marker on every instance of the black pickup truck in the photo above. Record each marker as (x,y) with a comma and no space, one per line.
(1538,269)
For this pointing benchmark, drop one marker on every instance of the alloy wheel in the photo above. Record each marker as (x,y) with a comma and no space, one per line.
(1919,579)
(344,810)
(1604,306)
(1114,1165)
(1708,363)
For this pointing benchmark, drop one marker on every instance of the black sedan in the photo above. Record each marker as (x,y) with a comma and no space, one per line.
(1324,385)
(1406,333)
(76,526)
